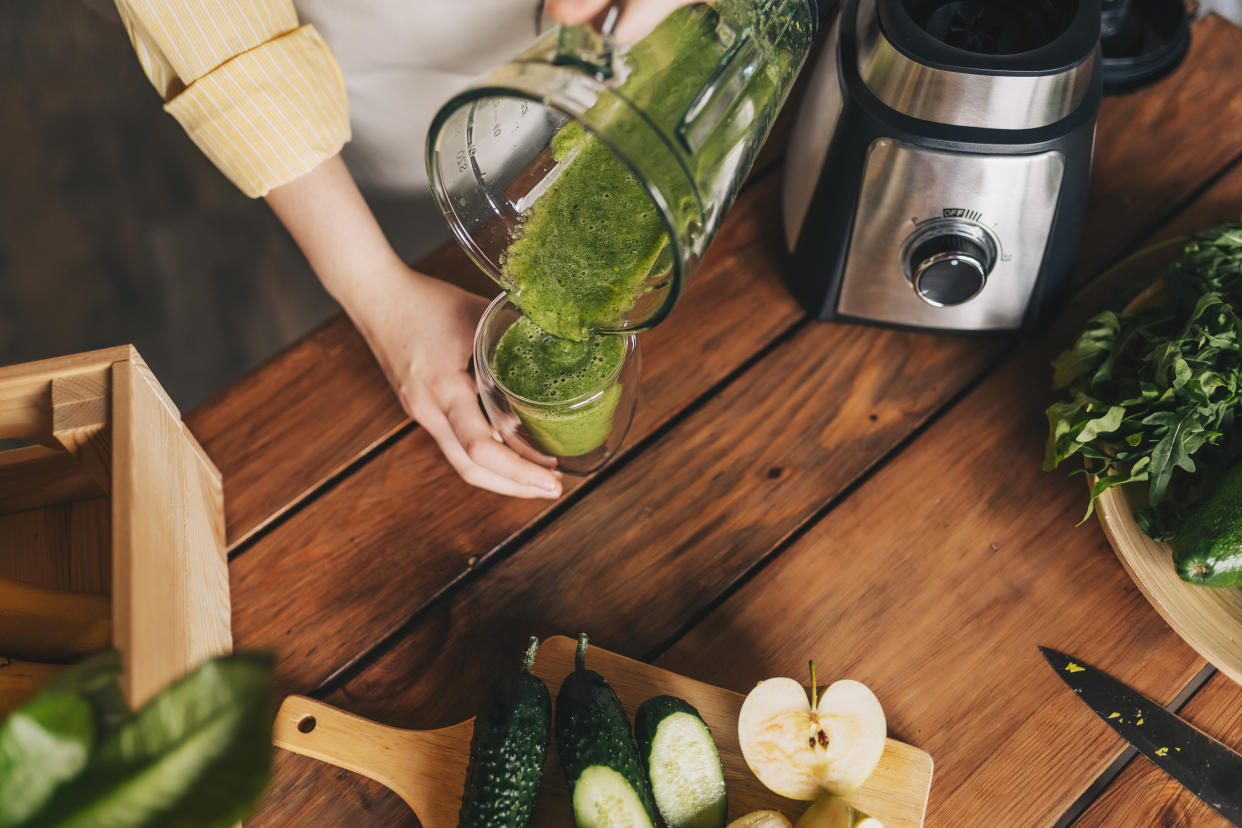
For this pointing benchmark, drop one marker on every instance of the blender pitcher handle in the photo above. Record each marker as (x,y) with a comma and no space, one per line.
(590,46)
(711,106)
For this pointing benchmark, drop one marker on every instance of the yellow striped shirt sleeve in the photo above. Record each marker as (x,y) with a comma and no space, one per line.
(261,96)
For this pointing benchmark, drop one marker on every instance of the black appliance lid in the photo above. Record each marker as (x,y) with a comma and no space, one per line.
(1142,41)
(993,36)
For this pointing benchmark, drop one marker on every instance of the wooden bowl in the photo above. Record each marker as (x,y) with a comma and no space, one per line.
(1207,618)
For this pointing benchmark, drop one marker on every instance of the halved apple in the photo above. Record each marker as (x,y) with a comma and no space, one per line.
(802,748)
(761,819)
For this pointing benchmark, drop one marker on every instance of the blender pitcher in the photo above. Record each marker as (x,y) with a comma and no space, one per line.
(588,180)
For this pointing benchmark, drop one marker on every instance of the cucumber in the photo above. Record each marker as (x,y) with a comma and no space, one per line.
(683,766)
(507,750)
(607,787)
(1208,549)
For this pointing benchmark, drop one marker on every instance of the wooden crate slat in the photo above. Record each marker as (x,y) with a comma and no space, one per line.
(170,588)
(35,476)
(81,420)
(25,391)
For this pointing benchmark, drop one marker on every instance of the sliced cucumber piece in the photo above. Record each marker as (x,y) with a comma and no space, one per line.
(604,798)
(592,736)
(683,766)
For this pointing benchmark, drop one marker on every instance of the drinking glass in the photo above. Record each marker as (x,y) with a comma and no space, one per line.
(577,435)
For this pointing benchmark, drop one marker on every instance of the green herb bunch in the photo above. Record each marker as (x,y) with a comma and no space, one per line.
(1153,394)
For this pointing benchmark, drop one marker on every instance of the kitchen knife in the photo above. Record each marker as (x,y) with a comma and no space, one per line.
(1203,765)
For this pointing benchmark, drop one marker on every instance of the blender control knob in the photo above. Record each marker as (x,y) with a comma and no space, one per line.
(949,269)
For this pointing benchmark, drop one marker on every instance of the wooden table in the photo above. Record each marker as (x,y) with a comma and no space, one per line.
(789,489)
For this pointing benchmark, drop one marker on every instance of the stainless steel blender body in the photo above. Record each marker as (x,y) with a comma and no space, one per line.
(938,170)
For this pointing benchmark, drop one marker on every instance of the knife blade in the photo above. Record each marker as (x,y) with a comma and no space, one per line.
(1207,768)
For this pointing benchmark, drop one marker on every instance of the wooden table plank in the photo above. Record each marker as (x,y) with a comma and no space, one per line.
(642,584)
(332,581)
(291,425)
(1143,794)
(984,564)
(257,431)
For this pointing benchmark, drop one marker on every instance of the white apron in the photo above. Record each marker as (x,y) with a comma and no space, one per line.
(402,59)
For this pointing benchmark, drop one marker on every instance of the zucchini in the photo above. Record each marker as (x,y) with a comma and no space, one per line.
(507,750)
(607,787)
(1207,550)
(683,766)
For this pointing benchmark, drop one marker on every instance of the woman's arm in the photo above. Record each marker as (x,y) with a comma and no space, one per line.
(263,98)
(639,17)
(421,329)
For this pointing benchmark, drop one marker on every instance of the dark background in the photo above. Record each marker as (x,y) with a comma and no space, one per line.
(115,229)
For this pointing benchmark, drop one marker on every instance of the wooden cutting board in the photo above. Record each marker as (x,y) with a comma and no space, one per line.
(427,769)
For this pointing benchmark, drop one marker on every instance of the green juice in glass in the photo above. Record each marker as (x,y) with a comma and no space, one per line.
(542,368)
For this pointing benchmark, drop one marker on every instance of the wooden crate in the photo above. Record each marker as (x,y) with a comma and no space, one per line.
(108,492)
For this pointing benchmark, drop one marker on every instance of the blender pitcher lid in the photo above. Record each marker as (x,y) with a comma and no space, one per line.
(1141,41)
(993,36)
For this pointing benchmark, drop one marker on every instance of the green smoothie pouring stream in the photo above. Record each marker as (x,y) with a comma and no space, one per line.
(588,248)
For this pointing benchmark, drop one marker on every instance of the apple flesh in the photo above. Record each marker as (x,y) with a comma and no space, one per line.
(802,748)
(761,819)
(833,812)
(827,812)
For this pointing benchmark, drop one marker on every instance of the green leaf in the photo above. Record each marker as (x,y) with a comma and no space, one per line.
(1088,352)
(1109,422)
(1170,453)
(196,756)
(1181,373)
(1173,369)
(95,680)
(43,744)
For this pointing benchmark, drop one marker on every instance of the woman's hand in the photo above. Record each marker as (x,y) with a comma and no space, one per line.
(638,18)
(422,333)
(420,329)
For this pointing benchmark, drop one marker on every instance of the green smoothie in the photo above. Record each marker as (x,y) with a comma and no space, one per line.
(588,248)
(538,366)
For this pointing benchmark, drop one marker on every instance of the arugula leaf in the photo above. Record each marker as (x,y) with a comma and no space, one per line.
(1153,394)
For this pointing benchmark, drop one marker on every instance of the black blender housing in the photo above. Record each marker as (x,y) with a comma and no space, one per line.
(991,37)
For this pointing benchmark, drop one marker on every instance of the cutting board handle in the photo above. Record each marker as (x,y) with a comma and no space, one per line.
(320,731)
(426,768)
